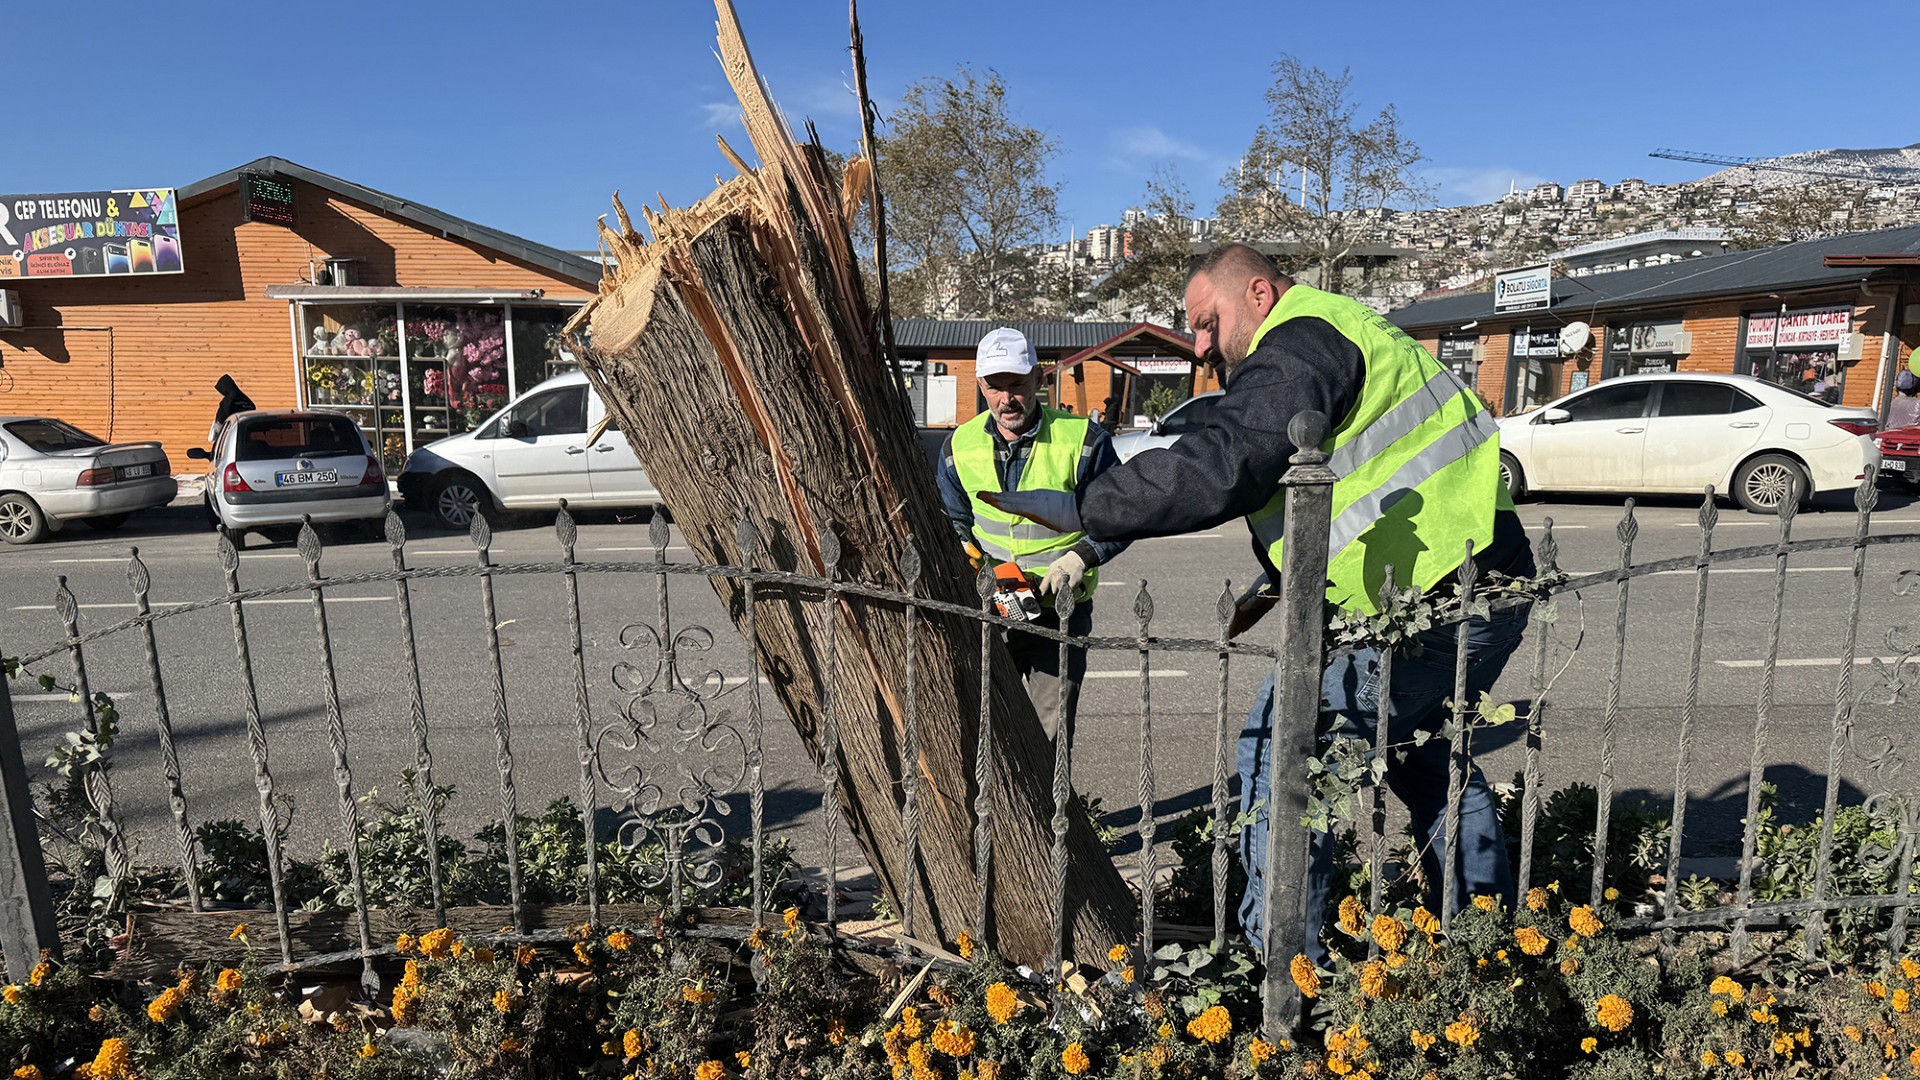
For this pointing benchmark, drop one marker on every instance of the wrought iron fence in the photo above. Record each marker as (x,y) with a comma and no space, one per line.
(684,739)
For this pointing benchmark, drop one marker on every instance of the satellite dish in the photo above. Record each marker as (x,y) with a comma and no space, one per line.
(1574,338)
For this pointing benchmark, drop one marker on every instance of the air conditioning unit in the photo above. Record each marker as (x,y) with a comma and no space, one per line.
(1852,347)
(1683,343)
(11,314)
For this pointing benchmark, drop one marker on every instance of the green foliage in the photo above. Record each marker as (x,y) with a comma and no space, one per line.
(1161,400)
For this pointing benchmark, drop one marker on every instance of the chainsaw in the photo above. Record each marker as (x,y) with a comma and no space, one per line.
(1013,595)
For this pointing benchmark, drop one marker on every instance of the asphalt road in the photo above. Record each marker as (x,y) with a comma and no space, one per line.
(1185,576)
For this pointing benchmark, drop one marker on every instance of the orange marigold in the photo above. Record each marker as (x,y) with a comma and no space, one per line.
(1351,914)
(1613,1012)
(524,954)
(1536,899)
(1388,933)
(1212,1026)
(161,1009)
(227,981)
(1425,921)
(239,933)
(1074,1059)
(1589,1044)
(40,972)
(1260,1050)
(1002,1002)
(1463,1032)
(1305,976)
(619,941)
(12,995)
(1570,965)
(1117,954)
(437,944)
(696,995)
(1484,903)
(1127,974)
(1724,985)
(1421,1040)
(1531,941)
(632,1043)
(581,954)
(1584,922)
(502,1001)
(1910,969)
(28,1072)
(709,1070)
(743,1059)
(403,944)
(1876,990)
(1901,1001)
(910,1022)
(952,1038)
(964,945)
(114,1061)
(1373,979)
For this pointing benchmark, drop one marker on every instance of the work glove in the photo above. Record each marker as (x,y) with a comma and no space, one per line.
(1067,572)
(1057,510)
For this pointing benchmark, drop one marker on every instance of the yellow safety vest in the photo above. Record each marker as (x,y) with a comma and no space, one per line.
(1052,464)
(1418,461)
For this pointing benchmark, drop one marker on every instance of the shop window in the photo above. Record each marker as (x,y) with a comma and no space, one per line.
(351,363)
(1799,349)
(458,361)
(540,348)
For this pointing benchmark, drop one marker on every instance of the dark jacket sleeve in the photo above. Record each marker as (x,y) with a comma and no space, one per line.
(1101,457)
(1231,467)
(953,497)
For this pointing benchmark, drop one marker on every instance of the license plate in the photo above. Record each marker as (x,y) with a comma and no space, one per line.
(297,479)
(1893,464)
(130,472)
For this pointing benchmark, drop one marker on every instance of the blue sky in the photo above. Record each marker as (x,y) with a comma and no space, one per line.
(524,116)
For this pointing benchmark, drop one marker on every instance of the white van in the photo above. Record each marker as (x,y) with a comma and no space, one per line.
(529,456)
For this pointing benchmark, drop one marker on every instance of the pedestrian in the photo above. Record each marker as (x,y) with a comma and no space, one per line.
(1020,445)
(1905,410)
(1419,478)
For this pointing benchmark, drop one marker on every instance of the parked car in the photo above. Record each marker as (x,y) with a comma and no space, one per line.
(1900,454)
(1677,433)
(1190,415)
(52,473)
(275,467)
(529,456)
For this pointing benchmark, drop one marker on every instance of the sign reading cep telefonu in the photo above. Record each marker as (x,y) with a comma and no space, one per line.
(90,234)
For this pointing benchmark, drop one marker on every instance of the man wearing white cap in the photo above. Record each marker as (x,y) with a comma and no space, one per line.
(1020,445)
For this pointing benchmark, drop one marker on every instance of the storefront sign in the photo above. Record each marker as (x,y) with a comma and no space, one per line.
(1526,289)
(89,234)
(1536,343)
(1162,366)
(1819,328)
(266,198)
(1457,350)
(1655,337)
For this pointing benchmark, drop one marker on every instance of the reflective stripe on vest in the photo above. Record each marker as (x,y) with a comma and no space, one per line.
(1053,463)
(1417,460)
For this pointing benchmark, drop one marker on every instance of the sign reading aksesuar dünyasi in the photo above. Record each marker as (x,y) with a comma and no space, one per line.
(90,234)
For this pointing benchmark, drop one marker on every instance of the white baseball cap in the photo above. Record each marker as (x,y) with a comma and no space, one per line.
(1004,352)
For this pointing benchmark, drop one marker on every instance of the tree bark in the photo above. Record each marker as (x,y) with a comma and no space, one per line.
(739,355)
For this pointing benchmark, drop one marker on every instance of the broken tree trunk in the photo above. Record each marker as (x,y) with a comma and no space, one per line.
(739,355)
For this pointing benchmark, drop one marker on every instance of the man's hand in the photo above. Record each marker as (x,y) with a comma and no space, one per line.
(1251,607)
(1057,510)
(1067,572)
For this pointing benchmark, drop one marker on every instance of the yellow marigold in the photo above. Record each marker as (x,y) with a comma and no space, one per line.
(1260,1050)
(757,939)
(524,954)
(1719,1008)
(910,1022)
(403,944)
(1708,1059)
(239,933)
(1074,1059)
(1569,966)
(113,1062)
(502,1001)
(1913,1056)
(1901,1002)
(1763,1015)
(1425,921)
(1484,903)
(411,977)
(1876,990)
(1735,1058)
(619,941)
(510,1045)
(964,945)
(1611,894)
(1127,974)
(1584,922)
(1910,969)
(1463,1032)
(1351,915)
(161,1009)
(1853,1033)
(1395,960)
(1783,1044)
(227,981)
(12,995)
(1536,899)
(1212,1026)
(1613,1012)
(28,1072)
(1421,1040)
(366,1050)
(1373,979)
(743,1059)
(1117,954)
(920,1056)
(1388,933)
(632,1043)
(40,972)
(1305,976)
(405,1000)
(436,944)
(97,1014)
(709,1070)
(1531,941)
(837,1032)
(696,995)
(953,1038)
(989,1070)
(1002,1002)
(581,954)
(791,917)
(1589,1044)
(1338,1065)
(1724,985)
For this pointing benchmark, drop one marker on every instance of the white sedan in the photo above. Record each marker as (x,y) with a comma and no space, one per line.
(1677,433)
(52,473)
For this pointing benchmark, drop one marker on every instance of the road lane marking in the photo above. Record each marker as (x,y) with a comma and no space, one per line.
(1718,570)
(1169,673)
(158,604)
(1819,661)
(676,547)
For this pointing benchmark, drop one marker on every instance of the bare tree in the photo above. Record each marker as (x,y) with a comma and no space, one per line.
(967,194)
(1153,277)
(1312,173)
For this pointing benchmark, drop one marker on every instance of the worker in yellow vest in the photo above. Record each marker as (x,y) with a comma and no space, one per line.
(1419,478)
(1020,445)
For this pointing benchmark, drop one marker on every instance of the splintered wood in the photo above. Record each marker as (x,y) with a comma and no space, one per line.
(735,346)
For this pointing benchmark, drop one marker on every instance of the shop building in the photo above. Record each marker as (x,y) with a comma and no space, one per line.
(309,290)
(1835,318)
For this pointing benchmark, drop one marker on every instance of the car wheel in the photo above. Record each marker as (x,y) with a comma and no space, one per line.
(456,500)
(21,521)
(105,522)
(1512,476)
(1764,483)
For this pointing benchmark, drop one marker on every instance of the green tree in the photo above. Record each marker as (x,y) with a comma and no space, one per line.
(967,197)
(1313,171)
(1153,278)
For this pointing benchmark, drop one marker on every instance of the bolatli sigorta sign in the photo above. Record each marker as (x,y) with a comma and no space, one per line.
(89,234)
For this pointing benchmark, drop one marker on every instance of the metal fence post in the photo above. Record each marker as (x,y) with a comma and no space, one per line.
(26,907)
(1296,711)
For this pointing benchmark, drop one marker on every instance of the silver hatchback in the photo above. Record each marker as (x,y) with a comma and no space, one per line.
(271,467)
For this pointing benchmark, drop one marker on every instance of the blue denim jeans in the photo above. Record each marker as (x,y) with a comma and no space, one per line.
(1350,703)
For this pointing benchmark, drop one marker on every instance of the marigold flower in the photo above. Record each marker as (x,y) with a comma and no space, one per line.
(161,1009)
(1783,1044)
(1584,922)
(1117,954)
(411,976)
(1734,1058)
(1611,894)
(1421,1040)
(1388,933)
(989,1070)
(404,1006)
(1212,1026)
(1484,903)
(1425,921)
(791,917)
(1074,1059)
(239,933)
(114,1061)
(1373,979)
(1876,990)
(1351,914)
(1613,1012)
(1763,1015)
(632,1043)
(366,1049)
(97,1014)
(1002,1002)
(696,995)
(1165,1030)
(502,1001)
(1531,941)
(619,941)
(12,995)
(952,1038)
(1708,1059)
(1395,960)
(437,944)
(1463,1032)
(1901,1001)
(1719,1008)
(1260,1050)
(1536,899)
(1305,976)
(1127,974)
(403,944)
(964,945)
(709,1070)
(910,1022)
(1910,969)
(1589,1044)
(1853,1033)
(28,1072)
(920,1056)
(1724,985)
(40,972)
(743,1059)
(1569,966)
(581,954)
(837,1032)
(524,954)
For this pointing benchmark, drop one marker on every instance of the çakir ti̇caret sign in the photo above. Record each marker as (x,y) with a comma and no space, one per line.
(90,234)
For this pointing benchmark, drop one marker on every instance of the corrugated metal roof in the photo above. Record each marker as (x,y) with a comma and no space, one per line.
(966,333)
(1795,266)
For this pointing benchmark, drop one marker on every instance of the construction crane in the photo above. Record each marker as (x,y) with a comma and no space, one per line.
(1869,174)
